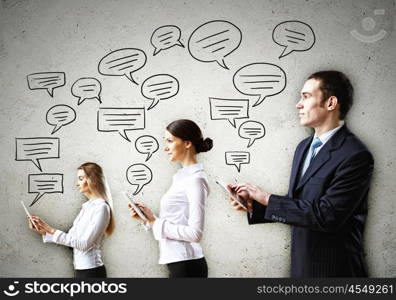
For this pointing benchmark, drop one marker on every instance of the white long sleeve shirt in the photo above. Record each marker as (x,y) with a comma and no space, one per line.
(180,225)
(86,234)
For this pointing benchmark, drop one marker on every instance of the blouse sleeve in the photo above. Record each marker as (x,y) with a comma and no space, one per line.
(96,227)
(197,192)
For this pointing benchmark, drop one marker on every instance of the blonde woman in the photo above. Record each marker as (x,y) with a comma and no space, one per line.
(92,223)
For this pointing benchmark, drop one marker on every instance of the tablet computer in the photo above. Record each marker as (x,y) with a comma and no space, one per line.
(135,207)
(233,195)
(28,214)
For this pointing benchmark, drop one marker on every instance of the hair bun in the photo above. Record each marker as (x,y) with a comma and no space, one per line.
(206,145)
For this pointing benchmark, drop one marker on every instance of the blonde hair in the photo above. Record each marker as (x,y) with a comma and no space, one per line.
(96,184)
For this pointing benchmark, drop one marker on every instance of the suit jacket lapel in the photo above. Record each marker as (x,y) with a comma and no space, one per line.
(324,154)
(322,157)
(297,164)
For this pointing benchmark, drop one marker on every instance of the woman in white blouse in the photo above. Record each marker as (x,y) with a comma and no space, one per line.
(180,224)
(94,220)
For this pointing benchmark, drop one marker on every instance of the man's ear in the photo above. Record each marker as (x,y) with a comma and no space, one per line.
(332,103)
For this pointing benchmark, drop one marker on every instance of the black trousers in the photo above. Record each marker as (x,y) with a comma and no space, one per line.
(99,272)
(188,268)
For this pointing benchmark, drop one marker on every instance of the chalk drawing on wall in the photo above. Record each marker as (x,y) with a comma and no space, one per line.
(46,81)
(228,109)
(147,144)
(165,37)
(260,79)
(159,87)
(252,131)
(293,36)
(59,116)
(122,62)
(45,183)
(213,41)
(121,120)
(87,88)
(36,149)
(139,175)
(237,158)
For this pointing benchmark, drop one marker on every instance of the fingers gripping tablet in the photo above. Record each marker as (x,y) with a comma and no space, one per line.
(135,207)
(233,194)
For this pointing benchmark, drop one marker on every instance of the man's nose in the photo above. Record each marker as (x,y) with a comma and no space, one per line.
(299,105)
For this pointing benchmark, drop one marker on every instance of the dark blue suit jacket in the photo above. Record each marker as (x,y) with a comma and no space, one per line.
(327,207)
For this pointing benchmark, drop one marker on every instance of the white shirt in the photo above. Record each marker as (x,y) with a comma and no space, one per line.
(325,137)
(86,234)
(180,225)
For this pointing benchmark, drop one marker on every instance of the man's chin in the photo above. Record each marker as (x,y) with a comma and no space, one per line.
(303,123)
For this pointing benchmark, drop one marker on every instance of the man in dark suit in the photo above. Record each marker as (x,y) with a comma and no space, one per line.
(330,178)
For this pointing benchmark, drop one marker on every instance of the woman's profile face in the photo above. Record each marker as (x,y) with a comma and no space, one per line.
(175,147)
(82,182)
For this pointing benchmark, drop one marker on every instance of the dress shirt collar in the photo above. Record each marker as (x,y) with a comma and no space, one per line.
(324,137)
(191,169)
(91,202)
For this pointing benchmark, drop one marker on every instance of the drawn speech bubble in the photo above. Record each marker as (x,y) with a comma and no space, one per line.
(293,36)
(229,109)
(165,37)
(122,62)
(140,175)
(146,144)
(45,184)
(251,130)
(46,81)
(159,87)
(112,119)
(260,79)
(60,115)
(237,158)
(213,41)
(37,148)
(87,88)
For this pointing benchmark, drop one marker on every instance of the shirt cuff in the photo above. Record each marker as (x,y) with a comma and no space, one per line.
(48,238)
(51,238)
(157,228)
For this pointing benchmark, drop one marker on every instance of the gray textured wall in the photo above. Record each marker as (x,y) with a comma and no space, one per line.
(73,36)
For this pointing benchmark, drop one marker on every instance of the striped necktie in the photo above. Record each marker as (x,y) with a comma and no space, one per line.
(311,154)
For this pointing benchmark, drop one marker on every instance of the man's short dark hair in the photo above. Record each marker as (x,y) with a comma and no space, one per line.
(335,83)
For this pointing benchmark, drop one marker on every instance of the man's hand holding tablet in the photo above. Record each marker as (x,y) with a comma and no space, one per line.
(238,202)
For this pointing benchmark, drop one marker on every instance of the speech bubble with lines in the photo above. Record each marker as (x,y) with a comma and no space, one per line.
(260,79)
(112,119)
(229,109)
(35,149)
(46,81)
(45,183)
(139,175)
(87,88)
(293,36)
(237,158)
(213,41)
(251,130)
(60,115)
(159,87)
(146,144)
(165,37)
(122,62)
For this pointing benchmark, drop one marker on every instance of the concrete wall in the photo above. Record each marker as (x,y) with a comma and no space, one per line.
(73,36)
